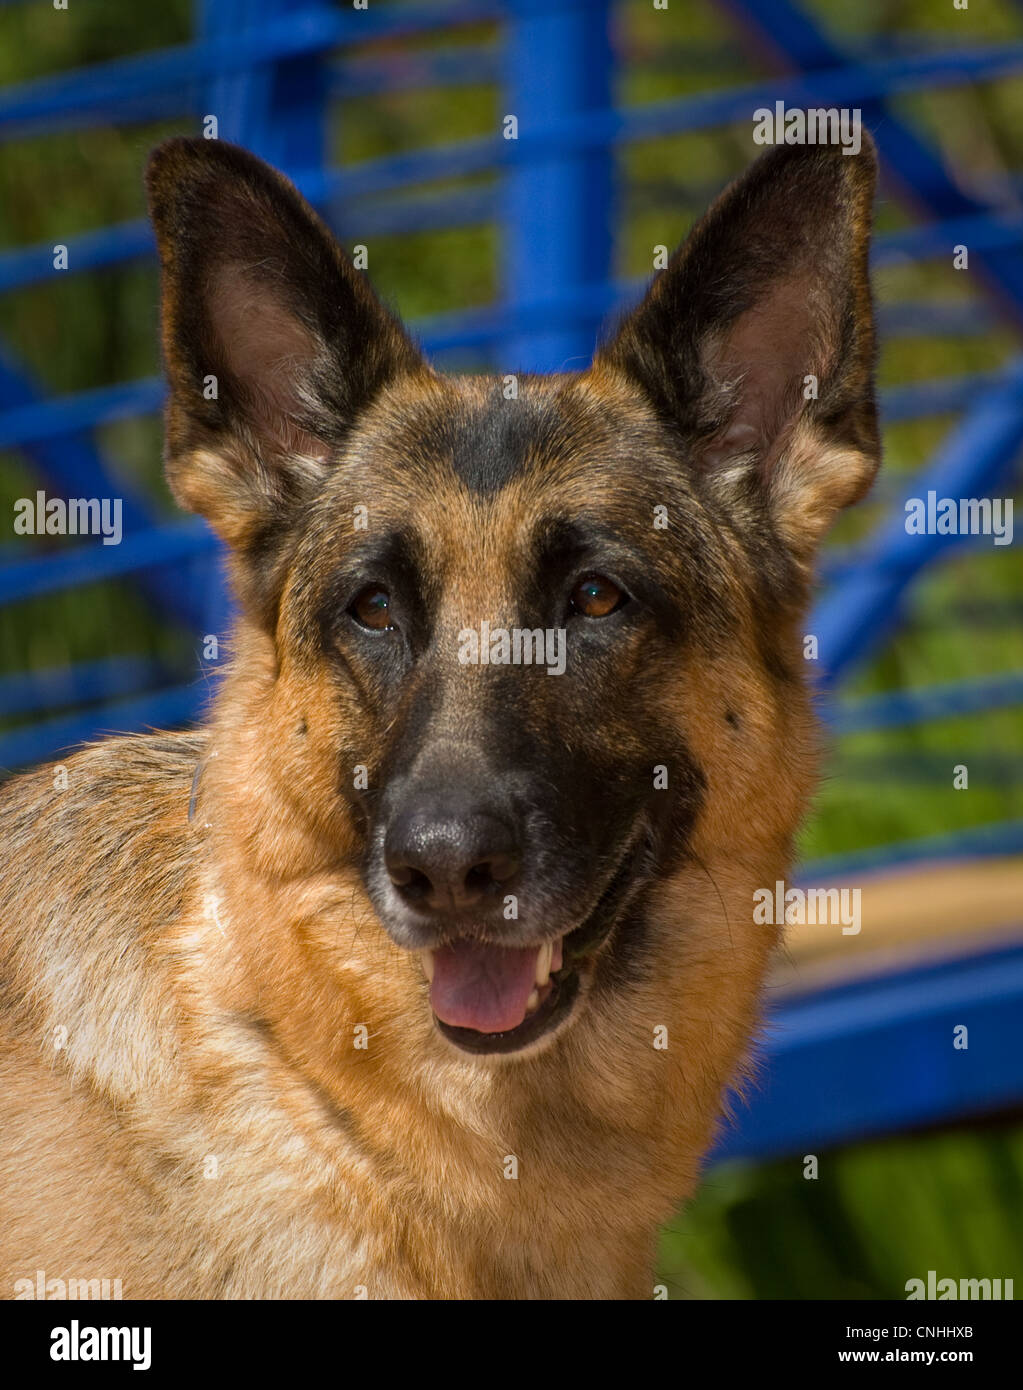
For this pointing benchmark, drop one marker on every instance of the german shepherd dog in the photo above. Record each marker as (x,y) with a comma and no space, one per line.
(437,990)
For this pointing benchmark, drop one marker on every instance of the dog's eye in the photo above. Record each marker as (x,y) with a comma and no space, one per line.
(372,608)
(596,597)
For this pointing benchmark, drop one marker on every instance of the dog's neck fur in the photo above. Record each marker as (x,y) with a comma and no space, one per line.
(532,1148)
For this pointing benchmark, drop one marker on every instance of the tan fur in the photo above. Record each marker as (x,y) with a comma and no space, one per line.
(210,978)
(184,1101)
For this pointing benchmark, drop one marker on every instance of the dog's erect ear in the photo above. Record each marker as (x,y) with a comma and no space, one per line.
(756,341)
(272,341)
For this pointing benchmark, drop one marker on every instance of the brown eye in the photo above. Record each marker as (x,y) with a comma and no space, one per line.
(372,608)
(596,597)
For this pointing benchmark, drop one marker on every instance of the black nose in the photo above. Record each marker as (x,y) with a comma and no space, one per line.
(444,860)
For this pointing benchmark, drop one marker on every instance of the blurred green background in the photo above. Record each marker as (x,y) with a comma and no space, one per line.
(880,1212)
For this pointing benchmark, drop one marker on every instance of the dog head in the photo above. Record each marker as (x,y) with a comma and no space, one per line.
(533,644)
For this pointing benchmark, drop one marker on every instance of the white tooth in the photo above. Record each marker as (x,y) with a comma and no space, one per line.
(543,964)
(533,1002)
(427,959)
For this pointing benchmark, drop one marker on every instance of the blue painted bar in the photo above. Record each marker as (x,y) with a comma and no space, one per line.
(100,90)
(132,241)
(939,396)
(856,617)
(876,1056)
(897,708)
(421,210)
(71,466)
(29,265)
(787,30)
(933,240)
(103,89)
(913,318)
(157,547)
(979,841)
(48,740)
(570,134)
(72,463)
(366,74)
(51,418)
(29,692)
(557,205)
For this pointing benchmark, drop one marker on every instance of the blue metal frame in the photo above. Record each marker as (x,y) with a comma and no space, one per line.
(787,31)
(557,205)
(877,1055)
(856,617)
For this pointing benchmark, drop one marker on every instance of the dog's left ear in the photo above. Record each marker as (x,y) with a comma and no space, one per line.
(756,342)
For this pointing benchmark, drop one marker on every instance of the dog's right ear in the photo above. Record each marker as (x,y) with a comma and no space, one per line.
(273,342)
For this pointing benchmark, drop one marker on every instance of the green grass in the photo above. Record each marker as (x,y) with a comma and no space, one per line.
(877,1215)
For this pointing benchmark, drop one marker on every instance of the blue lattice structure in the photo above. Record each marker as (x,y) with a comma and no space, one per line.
(269,70)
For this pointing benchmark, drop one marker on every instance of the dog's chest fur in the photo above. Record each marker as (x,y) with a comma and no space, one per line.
(198,1128)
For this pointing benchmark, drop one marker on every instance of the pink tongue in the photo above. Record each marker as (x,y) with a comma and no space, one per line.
(482,987)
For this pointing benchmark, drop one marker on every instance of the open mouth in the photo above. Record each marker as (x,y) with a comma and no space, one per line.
(498,998)
(494,999)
